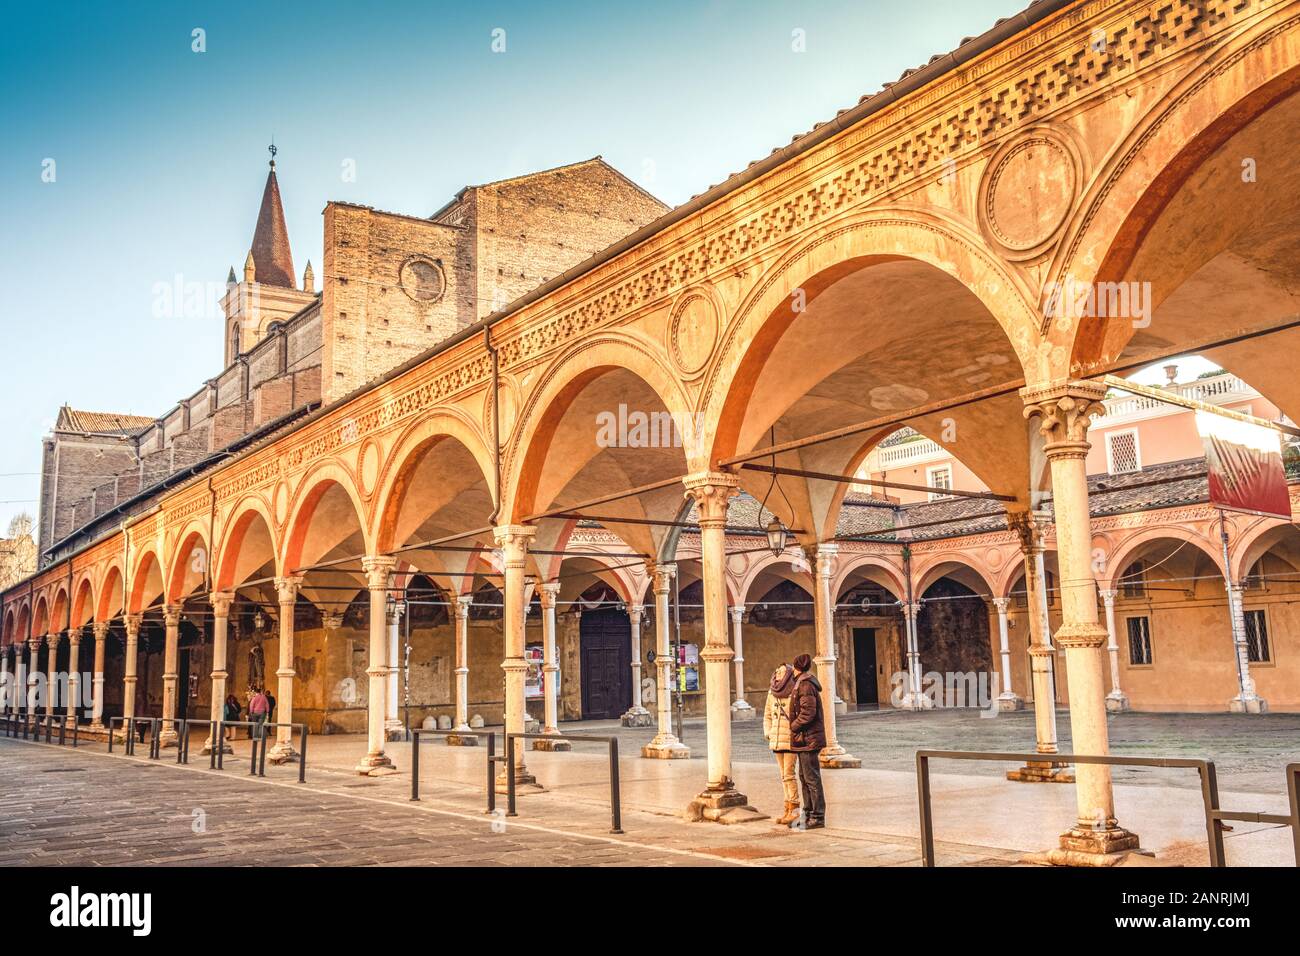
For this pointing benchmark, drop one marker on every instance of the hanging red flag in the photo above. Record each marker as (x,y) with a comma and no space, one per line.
(1245,466)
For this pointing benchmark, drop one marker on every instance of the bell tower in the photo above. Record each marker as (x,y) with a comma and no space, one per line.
(267,293)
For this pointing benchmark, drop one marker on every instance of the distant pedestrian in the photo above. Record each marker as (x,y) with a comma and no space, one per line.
(270,707)
(807,739)
(230,714)
(258,709)
(776,728)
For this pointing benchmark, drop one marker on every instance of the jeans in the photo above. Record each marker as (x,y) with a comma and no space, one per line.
(786,760)
(810,778)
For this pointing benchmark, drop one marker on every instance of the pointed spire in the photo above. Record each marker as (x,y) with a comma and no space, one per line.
(271,253)
(230,279)
(250,268)
(308,279)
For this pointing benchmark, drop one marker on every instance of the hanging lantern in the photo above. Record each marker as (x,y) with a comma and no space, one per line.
(775,536)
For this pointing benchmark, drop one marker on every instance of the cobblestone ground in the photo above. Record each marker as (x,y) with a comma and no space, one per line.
(60,807)
(1250,752)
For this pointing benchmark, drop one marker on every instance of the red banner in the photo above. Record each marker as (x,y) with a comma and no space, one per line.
(1245,465)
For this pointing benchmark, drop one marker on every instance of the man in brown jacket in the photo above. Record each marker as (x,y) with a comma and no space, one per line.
(807,738)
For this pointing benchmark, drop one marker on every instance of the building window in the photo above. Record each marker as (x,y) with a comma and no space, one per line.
(1133,581)
(1255,580)
(1139,641)
(1122,454)
(1257,638)
(939,477)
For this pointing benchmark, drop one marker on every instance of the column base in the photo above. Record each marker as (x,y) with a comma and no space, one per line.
(1045,772)
(837,758)
(741,710)
(168,738)
(841,706)
(207,748)
(1008,702)
(1136,857)
(281,752)
(1251,705)
(722,804)
(394,730)
(525,782)
(912,701)
(1098,841)
(637,717)
(557,745)
(1117,702)
(462,737)
(665,747)
(376,765)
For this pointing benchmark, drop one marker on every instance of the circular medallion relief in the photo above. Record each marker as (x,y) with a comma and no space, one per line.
(281,503)
(422,279)
(368,467)
(1028,192)
(693,331)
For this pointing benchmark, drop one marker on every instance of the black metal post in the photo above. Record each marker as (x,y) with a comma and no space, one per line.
(219,748)
(1293,793)
(492,772)
(1210,801)
(302,757)
(615,811)
(510,775)
(923,795)
(415,765)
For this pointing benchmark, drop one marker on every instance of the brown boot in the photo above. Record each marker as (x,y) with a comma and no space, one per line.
(791,814)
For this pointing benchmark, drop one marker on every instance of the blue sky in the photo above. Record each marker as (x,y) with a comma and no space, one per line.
(160,152)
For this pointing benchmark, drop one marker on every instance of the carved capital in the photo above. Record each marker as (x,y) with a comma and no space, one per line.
(395,612)
(1001,604)
(378,569)
(548,594)
(513,540)
(133,622)
(463,602)
(1108,597)
(711,490)
(1064,411)
(331,620)
(101,630)
(663,575)
(286,590)
(172,616)
(221,602)
(737,613)
(1028,527)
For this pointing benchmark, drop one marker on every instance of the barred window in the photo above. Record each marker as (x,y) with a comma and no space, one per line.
(1257,637)
(1122,452)
(1133,581)
(939,478)
(1139,640)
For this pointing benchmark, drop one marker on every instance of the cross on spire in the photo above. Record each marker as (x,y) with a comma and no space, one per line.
(272,150)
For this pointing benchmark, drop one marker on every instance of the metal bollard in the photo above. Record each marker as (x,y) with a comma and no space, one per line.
(302,757)
(415,765)
(615,811)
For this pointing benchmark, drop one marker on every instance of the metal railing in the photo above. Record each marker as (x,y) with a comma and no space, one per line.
(257,735)
(28,726)
(129,735)
(615,810)
(1214,814)
(491,761)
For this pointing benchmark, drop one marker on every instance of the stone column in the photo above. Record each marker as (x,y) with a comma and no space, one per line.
(18,687)
(1042,658)
(914,699)
(548,594)
(665,745)
(720,801)
(51,672)
(97,676)
(740,708)
(167,736)
(132,623)
(823,561)
(393,726)
(378,569)
(637,715)
(74,673)
(1247,700)
(1063,413)
(1116,700)
(1007,700)
(6,682)
(513,542)
(221,602)
(34,645)
(463,736)
(286,594)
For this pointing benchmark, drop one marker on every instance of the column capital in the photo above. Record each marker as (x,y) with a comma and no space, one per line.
(463,602)
(661,576)
(821,557)
(1028,526)
(101,630)
(1001,604)
(74,636)
(378,568)
(737,612)
(132,623)
(513,541)
(549,592)
(331,620)
(1108,596)
(710,490)
(635,613)
(1064,410)
(172,615)
(221,602)
(52,639)
(286,589)
(912,609)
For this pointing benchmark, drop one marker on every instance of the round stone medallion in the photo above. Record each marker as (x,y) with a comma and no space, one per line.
(368,467)
(422,279)
(693,331)
(1028,192)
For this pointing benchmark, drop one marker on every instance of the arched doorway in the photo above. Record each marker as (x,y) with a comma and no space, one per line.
(605,654)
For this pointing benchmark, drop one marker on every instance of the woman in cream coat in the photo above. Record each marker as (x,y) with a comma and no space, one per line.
(776,728)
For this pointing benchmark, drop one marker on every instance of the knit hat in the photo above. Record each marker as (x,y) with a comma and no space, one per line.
(802,663)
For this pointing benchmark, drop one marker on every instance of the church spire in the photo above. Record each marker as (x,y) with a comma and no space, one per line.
(271,255)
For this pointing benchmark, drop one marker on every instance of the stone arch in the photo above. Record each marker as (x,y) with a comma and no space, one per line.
(249,515)
(1237,84)
(59,608)
(560,385)
(960,568)
(112,599)
(410,450)
(191,559)
(83,604)
(740,593)
(871,567)
(1258,540)
(307,507)
(883,235)
(41,617)
(1130,548)
(146,579)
